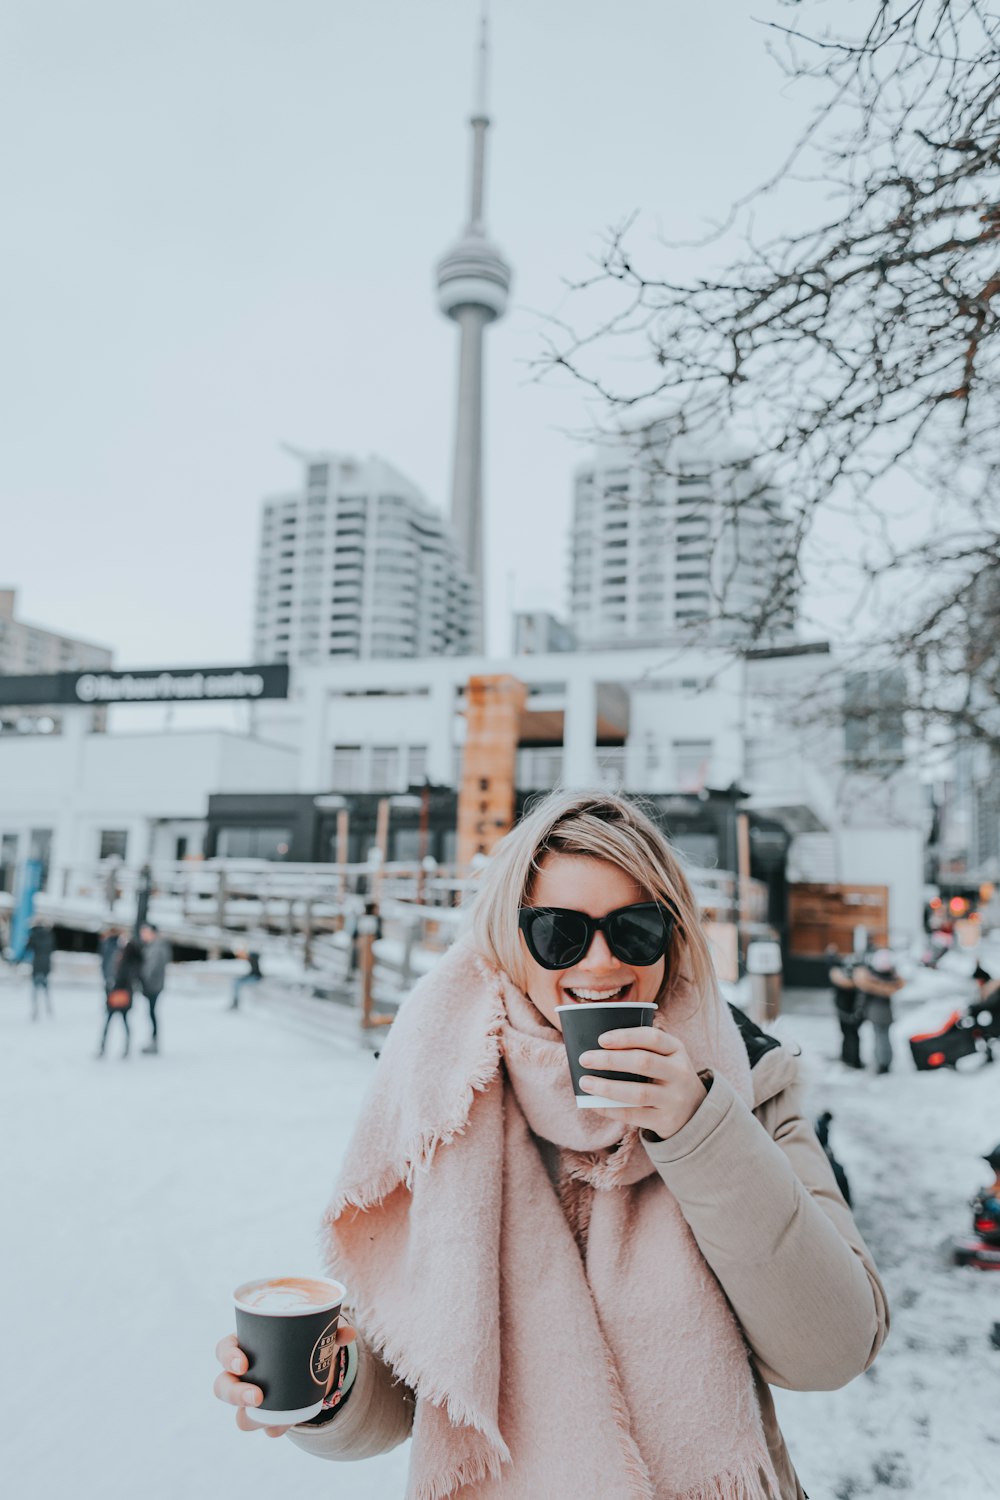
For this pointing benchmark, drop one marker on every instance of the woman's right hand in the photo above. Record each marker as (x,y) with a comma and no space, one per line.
(231,1388)
(235,1391)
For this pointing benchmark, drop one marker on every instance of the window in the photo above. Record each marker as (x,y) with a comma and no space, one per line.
(538,770)
(386,759)
(346,768)
(691,763)
(416,770)
(874,706)
(8,861)
(114,843)
(40,849)
(252,842)
(405,845)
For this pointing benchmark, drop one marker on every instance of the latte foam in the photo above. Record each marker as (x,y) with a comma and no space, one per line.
(288,1294)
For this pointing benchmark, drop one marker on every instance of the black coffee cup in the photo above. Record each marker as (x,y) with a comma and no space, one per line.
(581,1025)
(287,1328)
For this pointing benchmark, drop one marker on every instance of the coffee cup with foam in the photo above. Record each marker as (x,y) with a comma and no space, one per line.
(287,1328)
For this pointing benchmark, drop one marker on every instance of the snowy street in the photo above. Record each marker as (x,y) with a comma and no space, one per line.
(138,1193)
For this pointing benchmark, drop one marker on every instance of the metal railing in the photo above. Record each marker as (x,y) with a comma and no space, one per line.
(362,933)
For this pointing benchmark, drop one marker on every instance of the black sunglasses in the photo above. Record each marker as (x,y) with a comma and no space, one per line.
(558,938)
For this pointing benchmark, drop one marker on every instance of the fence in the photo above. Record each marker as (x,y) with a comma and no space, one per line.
(362,934)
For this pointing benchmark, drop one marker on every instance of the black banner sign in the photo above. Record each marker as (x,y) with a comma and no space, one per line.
(155,685)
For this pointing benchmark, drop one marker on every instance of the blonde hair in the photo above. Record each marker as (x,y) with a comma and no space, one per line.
(597,825)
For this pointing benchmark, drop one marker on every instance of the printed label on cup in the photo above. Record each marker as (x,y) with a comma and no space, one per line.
(321,1362)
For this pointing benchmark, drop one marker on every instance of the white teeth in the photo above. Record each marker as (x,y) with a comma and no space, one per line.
(597,994)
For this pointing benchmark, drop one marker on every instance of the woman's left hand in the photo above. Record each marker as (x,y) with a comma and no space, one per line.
(673,1093)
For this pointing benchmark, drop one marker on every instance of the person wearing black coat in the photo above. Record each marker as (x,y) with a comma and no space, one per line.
(41,942)
(121,963)
(849,1005)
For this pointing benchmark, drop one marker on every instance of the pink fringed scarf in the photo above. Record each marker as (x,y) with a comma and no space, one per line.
(569,1346)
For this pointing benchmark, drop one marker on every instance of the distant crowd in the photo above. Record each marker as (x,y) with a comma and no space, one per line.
(132,962)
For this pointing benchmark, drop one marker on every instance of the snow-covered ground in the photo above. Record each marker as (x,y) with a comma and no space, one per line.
(137,1194)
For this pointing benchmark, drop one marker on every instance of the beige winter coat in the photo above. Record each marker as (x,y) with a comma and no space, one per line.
(770,1221)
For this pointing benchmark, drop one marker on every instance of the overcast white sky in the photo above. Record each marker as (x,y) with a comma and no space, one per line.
(221,220)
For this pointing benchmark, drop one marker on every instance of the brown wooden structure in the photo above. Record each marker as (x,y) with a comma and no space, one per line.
(494,706)
(823,915)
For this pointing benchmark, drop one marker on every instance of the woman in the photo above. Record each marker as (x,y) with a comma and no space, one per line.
(121,964)
(574,1303)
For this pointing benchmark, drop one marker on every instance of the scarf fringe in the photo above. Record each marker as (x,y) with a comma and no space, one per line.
(459,1414)
(418,1154)
(471,1471)
(753,1480)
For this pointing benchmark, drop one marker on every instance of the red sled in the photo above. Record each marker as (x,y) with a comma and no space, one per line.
(943,1049)
(975,1253)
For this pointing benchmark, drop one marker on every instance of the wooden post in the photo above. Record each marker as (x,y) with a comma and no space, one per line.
(367,927)
(307,939)
(381,844)
(743,863)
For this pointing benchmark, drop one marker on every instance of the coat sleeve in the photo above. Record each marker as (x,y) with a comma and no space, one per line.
(377,1416)
(760,1198)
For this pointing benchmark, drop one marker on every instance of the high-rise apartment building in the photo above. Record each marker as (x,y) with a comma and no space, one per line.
(30,649)
(357,564)
(669,541)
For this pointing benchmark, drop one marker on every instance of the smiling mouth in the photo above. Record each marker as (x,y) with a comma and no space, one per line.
(590,993)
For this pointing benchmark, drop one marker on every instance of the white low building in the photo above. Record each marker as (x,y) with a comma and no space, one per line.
(650,721)
(73,798)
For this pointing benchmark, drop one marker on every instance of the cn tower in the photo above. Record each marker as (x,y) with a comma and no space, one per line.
(472,283)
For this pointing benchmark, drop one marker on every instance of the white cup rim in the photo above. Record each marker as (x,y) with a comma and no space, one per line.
(338,1292)
(609,1005)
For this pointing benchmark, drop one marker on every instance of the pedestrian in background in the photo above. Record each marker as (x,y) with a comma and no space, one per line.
(251,977)
(878,981)
(123,962)
(41,942)
(107,950)
(849,1004)
(155,957)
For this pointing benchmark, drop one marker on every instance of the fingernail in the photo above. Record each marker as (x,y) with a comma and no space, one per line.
(585,1083)
(249,1398)
(237,1365)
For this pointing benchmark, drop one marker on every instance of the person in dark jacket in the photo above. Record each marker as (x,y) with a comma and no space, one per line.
(122,965)
(41,942)
(107,949)
(849,1004)
(878,981)
(251,977)
(155,957)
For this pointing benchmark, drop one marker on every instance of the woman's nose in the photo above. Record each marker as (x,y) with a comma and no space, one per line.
(598,955)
